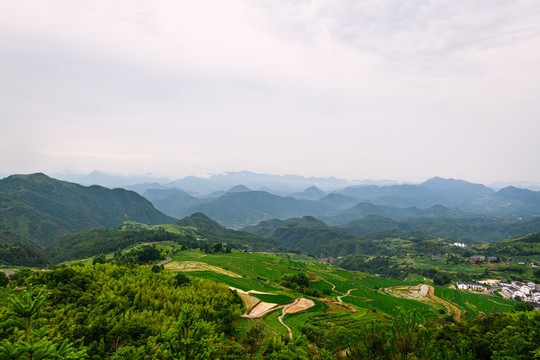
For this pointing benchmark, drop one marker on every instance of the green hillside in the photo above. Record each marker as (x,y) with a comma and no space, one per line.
(240,209)
(305,234)
(93,242)
(42,209)
(521,246)
(214,232)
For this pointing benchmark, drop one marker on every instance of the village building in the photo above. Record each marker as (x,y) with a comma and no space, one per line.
(526,292)
(470,286)
(476,258)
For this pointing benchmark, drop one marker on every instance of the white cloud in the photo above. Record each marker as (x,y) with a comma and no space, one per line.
(401,89)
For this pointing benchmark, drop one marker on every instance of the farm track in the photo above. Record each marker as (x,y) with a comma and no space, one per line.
(280,319)
(452,309)
(346,294)
(165,261)
(326,281)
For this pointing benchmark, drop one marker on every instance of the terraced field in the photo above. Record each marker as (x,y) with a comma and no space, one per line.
(367,298)
(473,304)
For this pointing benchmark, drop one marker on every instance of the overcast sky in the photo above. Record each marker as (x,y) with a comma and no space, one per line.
(401,90)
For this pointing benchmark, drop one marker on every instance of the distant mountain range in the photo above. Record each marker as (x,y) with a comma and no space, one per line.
(204,185)
(239,206)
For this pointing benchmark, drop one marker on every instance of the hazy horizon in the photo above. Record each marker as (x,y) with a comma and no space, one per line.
(97,177)
(369,90)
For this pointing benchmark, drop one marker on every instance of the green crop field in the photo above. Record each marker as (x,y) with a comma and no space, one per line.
(473,304)
(263,272)
(274,299)
(271,320)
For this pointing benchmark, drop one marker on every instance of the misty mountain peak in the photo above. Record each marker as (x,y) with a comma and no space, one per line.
(238,188)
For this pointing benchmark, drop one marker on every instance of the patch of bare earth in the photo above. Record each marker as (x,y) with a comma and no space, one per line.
(255,307)
(261,309)
(299,305)
(197,266)
(425,293)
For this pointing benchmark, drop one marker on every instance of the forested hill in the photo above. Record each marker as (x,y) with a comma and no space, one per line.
(305,234)
(42,209)
(520,246)
(211,230)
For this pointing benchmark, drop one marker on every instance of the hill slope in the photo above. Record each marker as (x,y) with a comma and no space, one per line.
(241,209)
(42,208)
(211,230)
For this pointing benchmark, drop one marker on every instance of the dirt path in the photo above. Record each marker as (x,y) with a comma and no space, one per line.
(347,294)
(451,307)
(333,286)
(165,261)
(280,319)
(298,305)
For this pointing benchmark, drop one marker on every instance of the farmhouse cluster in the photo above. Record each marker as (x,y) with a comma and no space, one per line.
(526,292)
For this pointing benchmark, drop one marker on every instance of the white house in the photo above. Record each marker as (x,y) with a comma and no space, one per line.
(525,290)
(474,286)
(518,293)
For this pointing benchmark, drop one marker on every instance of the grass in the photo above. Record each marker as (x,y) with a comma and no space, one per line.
(198,266)
(474,304)
(272,321)
(274,299)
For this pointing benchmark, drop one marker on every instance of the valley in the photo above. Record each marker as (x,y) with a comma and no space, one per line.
(303,279)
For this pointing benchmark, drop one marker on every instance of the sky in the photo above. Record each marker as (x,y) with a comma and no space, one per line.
(402,90)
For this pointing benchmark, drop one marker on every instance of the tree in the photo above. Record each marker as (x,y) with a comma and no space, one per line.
(408,335)
(441,278)
(252,339)
(182,279)
(523,306)
(188,340)
(99,260)
(372,344)
(4,280)
(24,311)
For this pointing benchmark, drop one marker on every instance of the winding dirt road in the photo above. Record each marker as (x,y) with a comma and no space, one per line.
(165,261)
(346,294)
(280,319)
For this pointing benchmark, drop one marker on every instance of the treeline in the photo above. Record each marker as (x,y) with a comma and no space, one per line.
(385,266)
(94,242)
(497,336)
(22,254)
(519,247)
(137,256)
(299,282)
